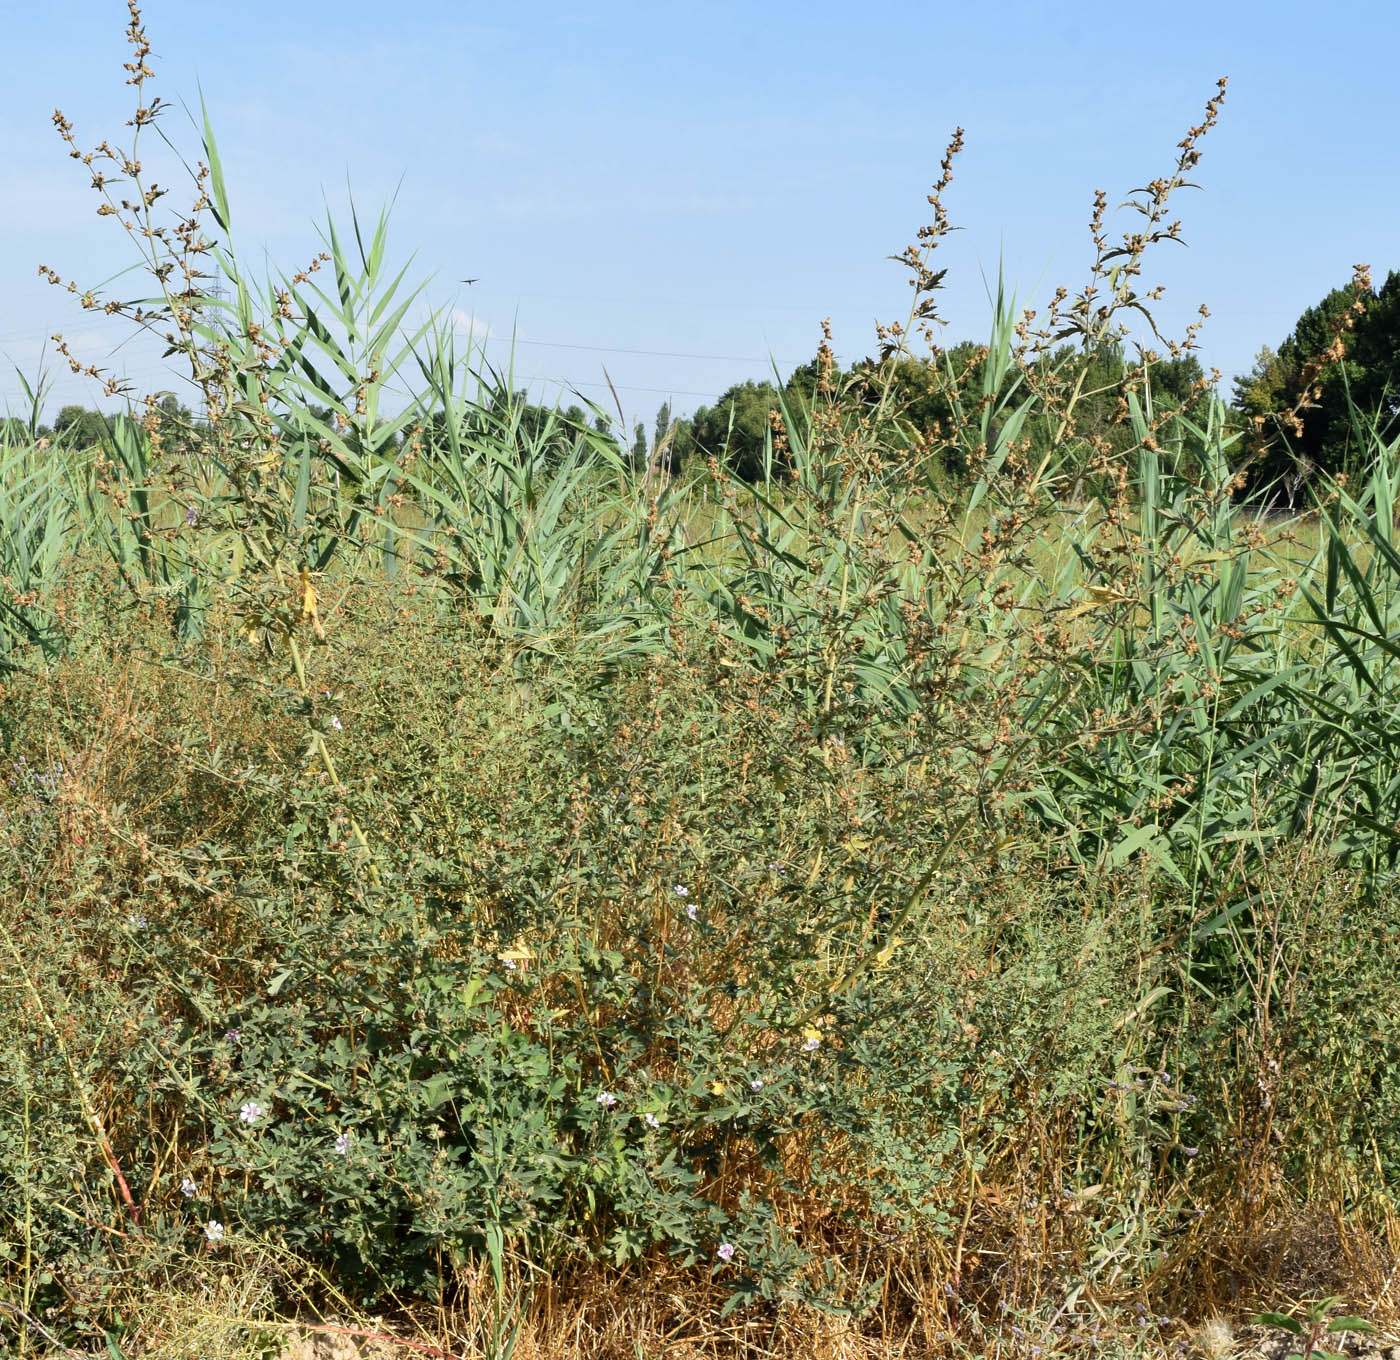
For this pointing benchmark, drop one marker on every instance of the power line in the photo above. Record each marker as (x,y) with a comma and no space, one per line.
(622,387)
(651,353)
(147,373)
(673,301)
(18,337)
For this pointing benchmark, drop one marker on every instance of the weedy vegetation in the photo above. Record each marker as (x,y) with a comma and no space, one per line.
(463,894)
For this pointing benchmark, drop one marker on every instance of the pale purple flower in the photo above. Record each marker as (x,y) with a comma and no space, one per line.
(681,890)
(251,1112)
(756,1084)
(342,1144)
(811,1044)
(606,1099)
(336,723)
(214,1230)
(191,516)
(690,910)
(188,1188)
(725,1251)
(651,1121)
(136,921)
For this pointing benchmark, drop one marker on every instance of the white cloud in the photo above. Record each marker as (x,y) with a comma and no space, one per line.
(471,327)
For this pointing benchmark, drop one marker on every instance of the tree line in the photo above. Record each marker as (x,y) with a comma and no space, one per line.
(1291,411)
(82,428)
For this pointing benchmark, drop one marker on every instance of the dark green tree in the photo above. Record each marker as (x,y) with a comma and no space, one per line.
(1296,400)
(682,444)
(1179,382)
(1375,350)
(80,427)
(179,428)
(174,411)
(916,395)
(532,425)
(503,416)
(602,425)
(1084,414)
(735,428)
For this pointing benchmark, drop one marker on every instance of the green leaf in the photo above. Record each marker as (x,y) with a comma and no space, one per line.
(218,193)
(1279,1320)
(1350,1324)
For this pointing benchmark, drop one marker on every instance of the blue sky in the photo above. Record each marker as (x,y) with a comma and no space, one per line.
(707,182)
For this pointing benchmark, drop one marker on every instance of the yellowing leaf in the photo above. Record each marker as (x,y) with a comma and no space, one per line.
(887,953)
(308,605)
(1100,597)
(308,595)
(716,1088)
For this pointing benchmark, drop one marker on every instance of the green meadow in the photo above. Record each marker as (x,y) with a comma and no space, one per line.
(465,891)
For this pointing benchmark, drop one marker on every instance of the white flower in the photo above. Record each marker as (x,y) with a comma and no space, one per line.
(811,1043)
(188,1188)
(681,890)
(214,1230)
(690,910)
(726,1251)
(651,1121)
(756,1084)
(606,1099)
(251,1112)
(336,723)
(342,1144)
